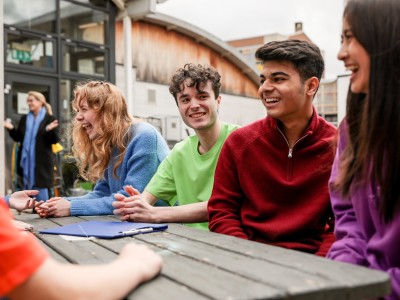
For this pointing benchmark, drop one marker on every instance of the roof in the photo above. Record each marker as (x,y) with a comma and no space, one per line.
(204,37)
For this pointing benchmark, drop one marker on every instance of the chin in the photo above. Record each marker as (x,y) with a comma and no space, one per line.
(358,89)
(354,89)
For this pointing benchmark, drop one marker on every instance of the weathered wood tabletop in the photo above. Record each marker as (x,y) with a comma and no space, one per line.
(205,265)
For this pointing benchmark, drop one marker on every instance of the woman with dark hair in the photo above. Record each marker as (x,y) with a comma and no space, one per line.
(364,184)
(36,131)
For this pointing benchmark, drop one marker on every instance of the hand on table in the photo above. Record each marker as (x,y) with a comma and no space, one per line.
(22,226)
(54,207)
(133,208)
(147,263)
(22,200)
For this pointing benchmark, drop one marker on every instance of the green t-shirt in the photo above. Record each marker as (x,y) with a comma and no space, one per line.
(187,176)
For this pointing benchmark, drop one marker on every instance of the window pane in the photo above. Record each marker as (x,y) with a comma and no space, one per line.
(35,15)
(82,23)
(66,114)
(24,50)
(83,60)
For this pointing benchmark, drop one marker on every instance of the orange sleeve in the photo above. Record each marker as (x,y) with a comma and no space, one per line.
(21,255)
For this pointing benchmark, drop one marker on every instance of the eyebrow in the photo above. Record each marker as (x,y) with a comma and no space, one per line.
(182,96)
(198,92)
(279,73)
(202,92)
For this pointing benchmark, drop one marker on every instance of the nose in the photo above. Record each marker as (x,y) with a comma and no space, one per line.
(342,54)
(78,117)
(194,104)
(265,87)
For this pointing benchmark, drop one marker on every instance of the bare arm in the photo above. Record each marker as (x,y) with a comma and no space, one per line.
(138,208)
(189,213)
(115,280)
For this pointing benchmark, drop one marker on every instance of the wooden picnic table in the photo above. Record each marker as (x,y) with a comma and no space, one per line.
(205,265)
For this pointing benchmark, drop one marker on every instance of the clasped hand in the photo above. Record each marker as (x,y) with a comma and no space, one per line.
(54,207)
(134,208)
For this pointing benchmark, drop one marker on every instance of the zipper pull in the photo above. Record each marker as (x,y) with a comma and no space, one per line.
(290,153)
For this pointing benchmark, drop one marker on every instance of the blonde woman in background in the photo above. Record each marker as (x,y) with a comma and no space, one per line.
(110,149)
(36,132)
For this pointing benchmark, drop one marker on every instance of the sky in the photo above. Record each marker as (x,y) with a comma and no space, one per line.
(236,19)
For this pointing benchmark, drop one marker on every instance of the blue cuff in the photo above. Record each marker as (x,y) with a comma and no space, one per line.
(7,199)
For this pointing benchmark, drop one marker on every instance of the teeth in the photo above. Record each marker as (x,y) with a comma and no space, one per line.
(197,115)
(272,100)
(351,68)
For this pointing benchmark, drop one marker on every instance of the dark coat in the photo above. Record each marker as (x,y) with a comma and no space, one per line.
(44,155)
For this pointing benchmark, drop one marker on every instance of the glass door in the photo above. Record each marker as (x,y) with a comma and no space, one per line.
(16,89)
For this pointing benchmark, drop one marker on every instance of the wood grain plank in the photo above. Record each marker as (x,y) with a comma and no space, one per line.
(202,277)
(357,282)
(164,288)
(280,277)
(204,265)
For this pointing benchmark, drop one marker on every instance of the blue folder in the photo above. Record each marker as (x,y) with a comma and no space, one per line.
(105,229)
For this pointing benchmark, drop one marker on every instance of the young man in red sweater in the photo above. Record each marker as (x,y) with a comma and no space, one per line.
(271,180)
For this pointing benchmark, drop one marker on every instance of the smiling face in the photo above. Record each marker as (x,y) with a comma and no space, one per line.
(283,94)
(198,106)
(356,59)
(88,118)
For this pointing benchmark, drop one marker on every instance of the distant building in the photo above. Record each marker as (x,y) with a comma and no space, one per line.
(326,98)
(343,83)
(51,45)
(160,45)
(325,101)
(248,46)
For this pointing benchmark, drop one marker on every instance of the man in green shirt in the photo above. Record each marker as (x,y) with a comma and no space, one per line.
(187,173)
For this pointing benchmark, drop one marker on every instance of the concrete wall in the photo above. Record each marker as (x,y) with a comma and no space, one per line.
(343,82)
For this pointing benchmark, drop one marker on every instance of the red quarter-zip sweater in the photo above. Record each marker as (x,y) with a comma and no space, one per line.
(266,192)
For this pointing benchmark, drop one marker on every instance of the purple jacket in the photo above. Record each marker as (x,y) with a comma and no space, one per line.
(363,237)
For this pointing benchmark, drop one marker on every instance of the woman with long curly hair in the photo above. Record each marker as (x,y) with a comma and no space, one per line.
(110,148)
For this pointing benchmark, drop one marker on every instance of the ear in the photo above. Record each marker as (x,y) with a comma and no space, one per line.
(218,101)
(312,85)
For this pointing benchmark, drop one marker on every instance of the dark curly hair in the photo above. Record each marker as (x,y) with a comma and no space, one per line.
(199,75)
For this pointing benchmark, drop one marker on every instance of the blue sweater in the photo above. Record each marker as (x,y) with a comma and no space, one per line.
(144,153)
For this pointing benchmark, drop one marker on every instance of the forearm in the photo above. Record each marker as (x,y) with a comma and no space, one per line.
(190,213)
(97,202)
(111,281)
(228,227)
(224,217)
(92,206)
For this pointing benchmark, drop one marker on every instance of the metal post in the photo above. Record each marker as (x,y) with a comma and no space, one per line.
(2,105)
